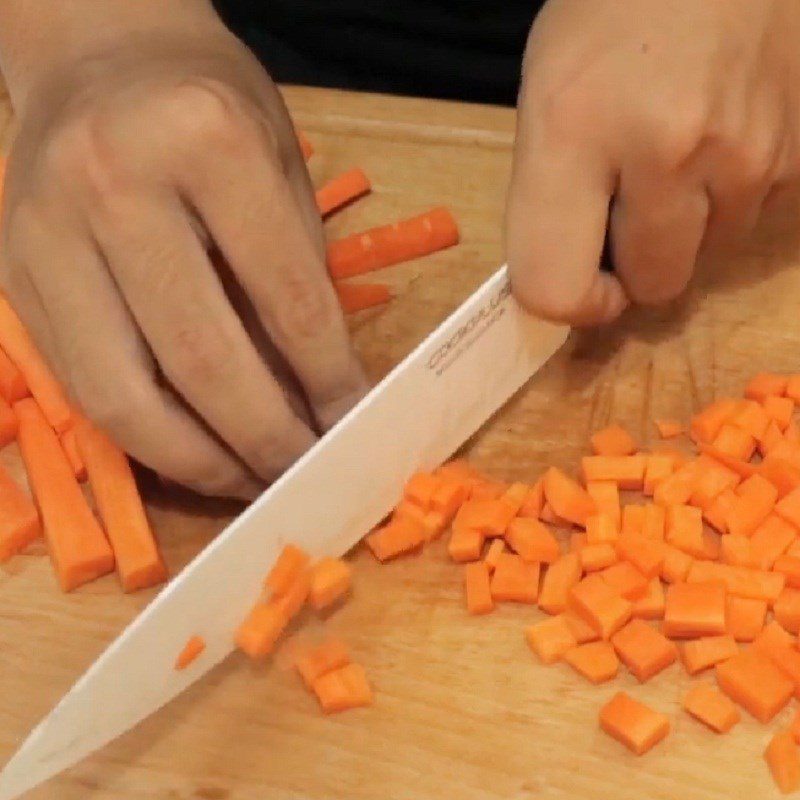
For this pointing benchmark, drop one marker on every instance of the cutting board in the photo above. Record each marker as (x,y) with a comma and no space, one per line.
(462,709)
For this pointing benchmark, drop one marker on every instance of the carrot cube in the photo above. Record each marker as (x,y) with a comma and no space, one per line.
(632,723)
(613,441)
(685,530)
(669,428)
(647,555)
(766,384)
(676,565)
(466,544)
(191,651)
(706,425)
(568,499)
(787,610)
(606,498)
(745,618)
(783,758)
(343,688)
(716,513)
(262,627)
(550,639)
(327,656)
(596,661)
(598,604)
(654,522)
(755,500)
(752,681)
(651,604)
(658,469)
(790,567)
(420,488)
(534,501)
(643,650)
(789,508)
(626,471)
(779,410)
(595,557)
(581,629)
(677,488)
(515,580)
(532,541)
(711,707)
(330,580)
(625,580)
(478,588)
(397,537)
(694,609)
(707,651)
(488,517)
(735,442)
(560,577)
(600,528)
(496,549)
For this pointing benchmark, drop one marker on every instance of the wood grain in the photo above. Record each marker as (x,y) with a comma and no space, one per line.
(462,709)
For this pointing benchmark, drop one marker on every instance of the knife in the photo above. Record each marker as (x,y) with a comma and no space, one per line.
(418,416)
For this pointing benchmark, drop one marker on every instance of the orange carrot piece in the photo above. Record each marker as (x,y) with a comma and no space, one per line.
(8,424)
(261,629)
(677,488)
(420,489)
(772,639)
(632,723)
(596,661)
(343,688)
(550,639)
(534,501)
(644,650)
(684,530)
(515,580)
(669,428)
(613,441)
(515,496)
(782,474)
(191,650)
(764,385)
(560,577)
(755,500)
(395,538)
(341,190)
(531,540)
(711,478)
(651,604)
(789,508)
(633,520)
(77,544)
(606,498)
(658,469)
(599,605)
(751,417)
(783,759)
(19,519)
(550,516)
(486,490)
(770,540)
(745,618)
(647,555)
(409,510)
(466,544)
(12,382)
(577,541)
(676,565)
(625,580)
(139,562)
(708,651)
(306,147)
(654,522)
(694,609)
(755,584)
(594,557)
(496,549)
(787,610)
(752,681)
(737,550)
(390,244)
(294,598)
(488,517)
(568,499)
(711,707)
(291,561)
(448,497)
(706,425)
(331,579)
(795,726)
(790,567)
(600,529)
(311,663)
(69,443)
(735,442)
(744,468)
(46,390)
(716,513)
(354,297)
(772,437)
(581,629)
(792,433)
(477,588)
(779,410)
(787,450)
(626,471)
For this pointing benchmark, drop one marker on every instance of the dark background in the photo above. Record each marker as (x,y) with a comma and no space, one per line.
(435,48)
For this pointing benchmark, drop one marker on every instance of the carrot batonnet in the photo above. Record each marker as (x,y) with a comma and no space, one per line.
(13,386)
(19,519)
(69,441)
(341,190)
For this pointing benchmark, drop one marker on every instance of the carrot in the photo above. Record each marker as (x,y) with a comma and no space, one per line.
(596,661)
(711,707)
(600,529)
(18,345)
(477,588)
(390,244)
(466,544)
(645,554)
(78,548)
(12,382)
(651,604)
(515,580)
(654,522)
(706,425)
(8,424)
(790,567)
(792,433)
(488,517)
(613,441)
(755,500)
(139,562)
(711,478)
(787,450)
(606,498)
(560,577)
(745,618)
(550,639)
(420,488)
(744,468)
(677,488)
(779,410)
(740,581)
(331,579)
(577,541)
(632,723)
(676,565)
(707,651)
(783,759)
(787,610)
(594,557)
(625,580)
(312,663)
(716,513)
(343,688)
(770,540)
(448,497)
(295,596)
(19,520)
(568,499)
(734,442)
(289,564)
(531,540)
(259,631)
(581,629)
(764,385)
(752,681)
(782,474)
(599,605)
(737,550)
(793,388)
(191,650)
(626,471)
(789,508)
(684,530)
(355,297)
(795,726)
(496,549)
(633,520)
(341,190)
(643,650)
(773,638)
(658,468)
(669,428)
(306,147)
(694,609)
(771,438)
(69,443)
(486,490)
(534,501)
(395,538)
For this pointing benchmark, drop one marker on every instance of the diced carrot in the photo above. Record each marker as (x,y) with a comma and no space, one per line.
(466,544)
(669,428)
(795,726)
(654,523)
(772,436)
(532,540)
(707,651)
(138,560)
(626,471)
(77,544)
(594,557)
(745,618)
(289,564)
(391,244)
(740,581)
(752,681)
(779,410)
(694,609)
(755,500)
(764,385)
(191,650)
(325,657)
(783,759)
(793,388)
(744,468)
(633,520)
(596,661)
(550,639)
(496,549)
(515,580)
(600,605)
(581,629)
(354,297)
(647,555)
(643,650)
(772,638)
(306,147)
(613,441)
(8,424)
(782,474)
(735,442)
(684,530)
(625,580)
(331,579)
(577,541)
(790,567)
(549,516)
(260,630)
(787,610)
(568,498)
(487,490)
(706,425)
(711,707)
(395,538)
(433,524)
(343,688)
(716,513)
(294,598)
(560,577)
(658,469)
(792,433)
(534,502)
(477,588)
(19,519)
(458,469)
(770,540)
(677,488)
(420,489)
(600,529)
(711,478)
(789,508)
(737,550)
(12,382)
(651,604)
(751,417)
(632,723)
(515,496)
(489,517)
(787,450)
(405,508)
(606,497)
(676,565)
(341,190)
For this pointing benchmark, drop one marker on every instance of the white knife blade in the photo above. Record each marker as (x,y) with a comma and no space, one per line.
(416,417)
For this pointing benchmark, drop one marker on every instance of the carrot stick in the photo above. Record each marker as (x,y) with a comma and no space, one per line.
(191,650)
(12,382)
(291,561)
(19,346)
(360,296)
(69,441)
(390,244)
(78,547)
(341,190)
(114,488)
(8,424)
(19,520)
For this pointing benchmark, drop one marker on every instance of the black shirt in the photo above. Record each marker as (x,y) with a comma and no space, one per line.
(468,50)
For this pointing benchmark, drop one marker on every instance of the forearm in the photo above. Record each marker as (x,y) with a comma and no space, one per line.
(38,37)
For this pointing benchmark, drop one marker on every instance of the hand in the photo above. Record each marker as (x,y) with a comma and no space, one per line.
(667,123)
(128,162)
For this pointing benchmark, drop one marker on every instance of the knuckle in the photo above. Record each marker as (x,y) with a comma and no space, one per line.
(676,139)
(305,312)
(197,356)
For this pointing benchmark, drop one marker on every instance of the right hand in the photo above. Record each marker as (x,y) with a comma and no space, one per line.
(127,163)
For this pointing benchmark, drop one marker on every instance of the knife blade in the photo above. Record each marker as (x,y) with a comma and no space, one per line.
(421,413)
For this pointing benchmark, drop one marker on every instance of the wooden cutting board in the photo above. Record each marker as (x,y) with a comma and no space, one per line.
(462,710)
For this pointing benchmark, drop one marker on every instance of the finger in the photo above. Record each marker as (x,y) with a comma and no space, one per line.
(197,338)
(556,220)
(112,373)
(251,210)
(657,228)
